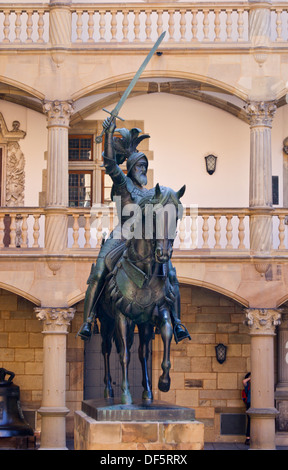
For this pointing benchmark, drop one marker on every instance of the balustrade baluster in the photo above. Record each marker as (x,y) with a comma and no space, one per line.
(217,25)
(125,25)
(113,25)
(17,27)
(102,25)
(36,232)
(205,231)
(217,231)
(194,25)
(99,229)
(229,232)
(193,231)
(29,26)
(240,24)
(87,231)
(79,26)
(90,25)
(278,24)
(136,26)
(24,232)
(182,25)
(171,25)
(159,22)
(12,231)
(40,27)
(206,25)
(229,25)
(2,231)
(182,232)
(241,232)
(281,230)
(6,25)
(75,231)
(148,25)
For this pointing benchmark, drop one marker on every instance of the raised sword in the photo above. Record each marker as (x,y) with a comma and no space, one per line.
(115,112)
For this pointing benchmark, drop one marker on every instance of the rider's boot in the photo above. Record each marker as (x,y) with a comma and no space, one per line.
(92,293)
(180,331)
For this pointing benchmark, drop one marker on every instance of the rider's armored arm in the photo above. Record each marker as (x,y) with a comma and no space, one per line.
(111,166)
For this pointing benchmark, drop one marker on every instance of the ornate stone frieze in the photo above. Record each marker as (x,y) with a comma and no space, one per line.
(58,112)
(55,320)
(15,175)
(262,320)
(261,113)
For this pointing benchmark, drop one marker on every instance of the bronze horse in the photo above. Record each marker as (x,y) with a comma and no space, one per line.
(138,291)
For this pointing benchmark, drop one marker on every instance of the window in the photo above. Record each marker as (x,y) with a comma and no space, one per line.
(80,188)
(80,148)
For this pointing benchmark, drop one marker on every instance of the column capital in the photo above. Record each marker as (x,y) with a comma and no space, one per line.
(55,320)
(262,321)
(261,113)
(58,112)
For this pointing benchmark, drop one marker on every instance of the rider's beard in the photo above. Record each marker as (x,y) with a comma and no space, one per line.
(141,178)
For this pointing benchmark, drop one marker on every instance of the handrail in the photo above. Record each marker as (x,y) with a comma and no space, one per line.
(192,25)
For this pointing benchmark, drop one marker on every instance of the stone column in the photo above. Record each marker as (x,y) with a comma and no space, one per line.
(53,410)
(260,193)
(262,322)
(281,394)
(56,222)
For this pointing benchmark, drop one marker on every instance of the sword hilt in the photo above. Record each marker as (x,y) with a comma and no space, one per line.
(112,116)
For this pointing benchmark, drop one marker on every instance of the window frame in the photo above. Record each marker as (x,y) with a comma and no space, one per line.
(79,137)
(82,171)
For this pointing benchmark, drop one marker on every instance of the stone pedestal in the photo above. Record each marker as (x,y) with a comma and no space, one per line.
(160,426)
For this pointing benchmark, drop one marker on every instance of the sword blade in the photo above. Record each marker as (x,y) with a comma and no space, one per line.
(114,113)
(137,75)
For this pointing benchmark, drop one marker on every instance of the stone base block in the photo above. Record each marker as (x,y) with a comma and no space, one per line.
(93,434)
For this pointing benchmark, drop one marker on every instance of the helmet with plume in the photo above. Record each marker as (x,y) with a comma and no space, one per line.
(126,146)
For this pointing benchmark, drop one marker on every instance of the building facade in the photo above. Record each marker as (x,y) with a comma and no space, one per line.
(217,86)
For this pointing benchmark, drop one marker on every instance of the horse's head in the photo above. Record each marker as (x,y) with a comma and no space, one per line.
(161,216)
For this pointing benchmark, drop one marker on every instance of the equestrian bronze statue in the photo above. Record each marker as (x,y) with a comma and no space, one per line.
(133,281)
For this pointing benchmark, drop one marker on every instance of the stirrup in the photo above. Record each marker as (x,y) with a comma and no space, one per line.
(85,331)
(184,333)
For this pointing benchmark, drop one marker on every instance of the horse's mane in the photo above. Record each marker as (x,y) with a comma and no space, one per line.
(162,196)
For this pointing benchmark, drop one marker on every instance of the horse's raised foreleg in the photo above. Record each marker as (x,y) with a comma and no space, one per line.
(124,332)
(145,335)
(166,332)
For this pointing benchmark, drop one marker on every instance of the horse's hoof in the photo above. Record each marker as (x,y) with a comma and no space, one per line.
(126,399)
(147,397)
(164,386)
(108,394)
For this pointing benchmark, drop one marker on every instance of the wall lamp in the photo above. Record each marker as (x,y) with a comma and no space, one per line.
(210,161)
(221,351)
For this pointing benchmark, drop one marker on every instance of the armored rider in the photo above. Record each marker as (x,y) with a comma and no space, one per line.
(130,188)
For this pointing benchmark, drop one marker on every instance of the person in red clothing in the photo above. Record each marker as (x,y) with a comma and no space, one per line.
(246,397)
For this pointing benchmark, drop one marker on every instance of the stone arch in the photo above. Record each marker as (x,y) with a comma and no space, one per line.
(214,288)
(21,293)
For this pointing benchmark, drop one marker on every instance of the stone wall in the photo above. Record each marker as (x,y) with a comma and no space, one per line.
(198,380)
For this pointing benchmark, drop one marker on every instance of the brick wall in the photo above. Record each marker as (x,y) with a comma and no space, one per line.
(198,380)
(21,347)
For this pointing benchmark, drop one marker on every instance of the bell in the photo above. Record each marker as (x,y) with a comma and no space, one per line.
(12,421)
